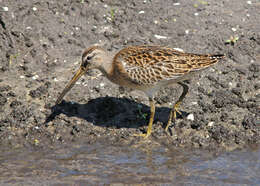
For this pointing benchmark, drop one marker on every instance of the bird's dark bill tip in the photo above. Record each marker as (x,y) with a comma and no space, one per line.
(59,100)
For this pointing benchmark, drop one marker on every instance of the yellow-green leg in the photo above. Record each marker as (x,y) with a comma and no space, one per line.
(150,125)
(175,108)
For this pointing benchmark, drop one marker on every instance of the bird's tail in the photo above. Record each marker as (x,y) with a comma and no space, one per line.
(205,61)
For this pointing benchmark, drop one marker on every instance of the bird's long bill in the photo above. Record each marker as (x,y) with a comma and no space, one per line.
(72,82)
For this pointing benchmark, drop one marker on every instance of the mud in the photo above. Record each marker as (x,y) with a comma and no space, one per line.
(41,44)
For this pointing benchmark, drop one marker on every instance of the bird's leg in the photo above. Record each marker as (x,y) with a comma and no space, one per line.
(176,106)
(150,125)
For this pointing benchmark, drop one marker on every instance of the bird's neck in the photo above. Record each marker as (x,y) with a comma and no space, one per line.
(107,65)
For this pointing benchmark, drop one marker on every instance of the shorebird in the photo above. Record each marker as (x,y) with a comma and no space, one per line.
(145,68)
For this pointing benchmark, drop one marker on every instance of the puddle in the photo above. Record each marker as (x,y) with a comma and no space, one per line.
(99,164)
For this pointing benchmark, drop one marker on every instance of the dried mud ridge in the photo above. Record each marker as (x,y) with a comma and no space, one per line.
(41,45)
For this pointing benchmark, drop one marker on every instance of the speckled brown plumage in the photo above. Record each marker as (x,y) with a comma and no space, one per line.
(146,68)
(148,65)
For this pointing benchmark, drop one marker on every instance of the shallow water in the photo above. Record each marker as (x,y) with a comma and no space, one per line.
(100,164)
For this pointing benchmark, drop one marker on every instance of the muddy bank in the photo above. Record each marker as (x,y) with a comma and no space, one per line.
(41,45)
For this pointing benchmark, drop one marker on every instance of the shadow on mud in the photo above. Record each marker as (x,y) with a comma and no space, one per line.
(111,112)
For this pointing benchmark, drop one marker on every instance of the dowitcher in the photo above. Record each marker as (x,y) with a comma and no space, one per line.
(145,68)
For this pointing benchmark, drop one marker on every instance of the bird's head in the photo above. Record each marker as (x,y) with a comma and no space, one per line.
(91,59)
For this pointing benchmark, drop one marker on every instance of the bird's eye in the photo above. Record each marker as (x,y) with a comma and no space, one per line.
(89,58)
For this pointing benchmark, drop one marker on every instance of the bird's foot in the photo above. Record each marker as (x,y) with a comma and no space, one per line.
(173,116)
(145,136)
(176,109)
(167,126)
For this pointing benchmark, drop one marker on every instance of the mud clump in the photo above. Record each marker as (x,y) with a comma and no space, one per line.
(5,88)
(250,122)
(38,92)
(3,100)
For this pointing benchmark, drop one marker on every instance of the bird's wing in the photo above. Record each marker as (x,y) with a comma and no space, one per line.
(150,64)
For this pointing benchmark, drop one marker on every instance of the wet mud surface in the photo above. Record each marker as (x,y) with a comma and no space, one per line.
(41,44)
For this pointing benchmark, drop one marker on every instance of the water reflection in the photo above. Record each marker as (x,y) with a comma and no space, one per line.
(99,164)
